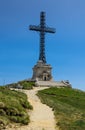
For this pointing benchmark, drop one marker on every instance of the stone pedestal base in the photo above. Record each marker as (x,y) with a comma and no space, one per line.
(42,72)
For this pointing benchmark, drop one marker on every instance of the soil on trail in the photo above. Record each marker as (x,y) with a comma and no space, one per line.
(41,117)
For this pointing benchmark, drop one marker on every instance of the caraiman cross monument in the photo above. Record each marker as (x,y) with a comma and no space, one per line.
(42,72)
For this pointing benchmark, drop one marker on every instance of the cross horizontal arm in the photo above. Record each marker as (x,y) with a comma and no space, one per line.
(45,29)
(50,30)
(34,27)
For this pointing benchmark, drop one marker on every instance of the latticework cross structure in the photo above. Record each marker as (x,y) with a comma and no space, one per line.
(43,29)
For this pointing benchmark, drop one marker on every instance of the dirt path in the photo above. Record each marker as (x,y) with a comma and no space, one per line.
(41,117)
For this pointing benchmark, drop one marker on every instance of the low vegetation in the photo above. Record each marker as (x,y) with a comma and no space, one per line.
(27,85)
(22,85)
(68,106)
(13,107)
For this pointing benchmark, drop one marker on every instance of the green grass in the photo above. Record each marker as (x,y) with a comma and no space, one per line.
(22,84)
(68,106)
(27,85)
(13,107)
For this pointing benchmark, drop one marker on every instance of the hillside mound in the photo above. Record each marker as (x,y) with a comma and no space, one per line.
(13,107)
(68,106)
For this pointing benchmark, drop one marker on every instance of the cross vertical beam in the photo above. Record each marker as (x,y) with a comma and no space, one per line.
(42,29)
(42,56)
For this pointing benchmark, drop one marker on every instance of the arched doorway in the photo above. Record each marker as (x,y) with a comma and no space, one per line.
(45,78)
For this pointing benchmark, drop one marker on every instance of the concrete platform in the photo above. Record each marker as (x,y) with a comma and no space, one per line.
(52,84)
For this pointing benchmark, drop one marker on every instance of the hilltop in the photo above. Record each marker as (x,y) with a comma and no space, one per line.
(67,104)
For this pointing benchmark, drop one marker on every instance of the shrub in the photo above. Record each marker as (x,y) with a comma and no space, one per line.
(27,85)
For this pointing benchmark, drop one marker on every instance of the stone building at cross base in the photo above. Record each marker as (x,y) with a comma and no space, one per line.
(42,72)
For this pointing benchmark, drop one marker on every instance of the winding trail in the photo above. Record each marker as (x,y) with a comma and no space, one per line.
(42,117)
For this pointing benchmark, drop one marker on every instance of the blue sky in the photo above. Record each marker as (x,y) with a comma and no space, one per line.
(19,47)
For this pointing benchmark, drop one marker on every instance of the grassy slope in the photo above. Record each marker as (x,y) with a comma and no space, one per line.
(68,105)
(13,107)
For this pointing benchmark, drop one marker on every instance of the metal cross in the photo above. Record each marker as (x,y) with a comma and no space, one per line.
(42,29)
